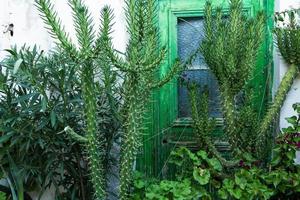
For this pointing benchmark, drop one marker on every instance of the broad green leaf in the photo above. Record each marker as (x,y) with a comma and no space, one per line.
(139,184)
(248,157)
(276,160)
(202,176)
(291,155)
(44,104)
(228,184)
(237,193)
(17,65)
(292,120)
(240,181)
(194,158)
(202,154)
(215,163)
(5,138)
(53,118)
(2,196)
(223,194)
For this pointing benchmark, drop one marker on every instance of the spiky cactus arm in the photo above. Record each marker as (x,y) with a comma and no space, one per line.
(94,139)
(83,27)
(55,28)
(93,145)
(229,112)
(131,141)
(204,126)
(143,59)
(74,135)
(288,42)
(278,101)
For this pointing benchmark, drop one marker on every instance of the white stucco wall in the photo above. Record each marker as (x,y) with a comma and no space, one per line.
(29,29)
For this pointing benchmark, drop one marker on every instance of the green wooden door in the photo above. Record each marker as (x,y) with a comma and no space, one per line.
(169,125)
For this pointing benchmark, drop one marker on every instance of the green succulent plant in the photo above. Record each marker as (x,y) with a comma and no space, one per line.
(230,48)
(139,67)
(142,61)
(89,58)
(287,34)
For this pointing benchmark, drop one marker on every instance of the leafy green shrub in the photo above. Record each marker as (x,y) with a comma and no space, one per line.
(202,176)
(39,97)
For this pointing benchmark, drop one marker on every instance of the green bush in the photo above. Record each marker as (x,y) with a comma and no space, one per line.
(39,96)
(201,175)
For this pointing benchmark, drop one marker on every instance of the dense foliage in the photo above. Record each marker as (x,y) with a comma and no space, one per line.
(63,114)
(96,78)
(200,175)
(206,174)
(39,96)
(87,74)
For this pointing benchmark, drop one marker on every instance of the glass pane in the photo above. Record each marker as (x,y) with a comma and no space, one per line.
(189,36)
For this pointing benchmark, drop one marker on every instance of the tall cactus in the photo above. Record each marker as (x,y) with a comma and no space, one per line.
(90,50)
(287,35)
(230,47)
(143,59)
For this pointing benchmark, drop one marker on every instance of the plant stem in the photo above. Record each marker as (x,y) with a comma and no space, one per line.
(93,144)
(131,140)
(228,106)
(279,98)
